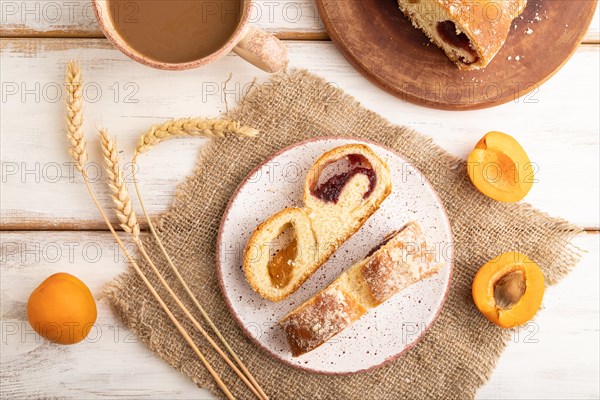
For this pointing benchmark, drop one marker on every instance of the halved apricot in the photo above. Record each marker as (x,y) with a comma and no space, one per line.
(509,289)
(500,168)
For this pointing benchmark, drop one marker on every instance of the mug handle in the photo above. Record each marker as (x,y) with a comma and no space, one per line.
(263,50)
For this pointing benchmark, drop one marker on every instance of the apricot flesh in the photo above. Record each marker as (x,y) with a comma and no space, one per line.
(509,290)
(500,168)
(62,309)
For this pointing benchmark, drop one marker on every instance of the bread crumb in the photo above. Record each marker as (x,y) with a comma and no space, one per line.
(529,31)
(509,58)
(518,58)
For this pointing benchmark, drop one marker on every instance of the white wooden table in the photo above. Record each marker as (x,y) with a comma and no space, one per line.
(49,224)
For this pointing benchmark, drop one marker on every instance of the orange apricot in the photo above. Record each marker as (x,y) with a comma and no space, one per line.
(509,289)
(62,309)
(500,168)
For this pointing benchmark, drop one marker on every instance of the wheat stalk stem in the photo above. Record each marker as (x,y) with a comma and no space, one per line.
(78,151)
(126,215)
(183,128)
(161,302)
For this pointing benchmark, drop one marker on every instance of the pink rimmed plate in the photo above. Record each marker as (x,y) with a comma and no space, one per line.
(385,332)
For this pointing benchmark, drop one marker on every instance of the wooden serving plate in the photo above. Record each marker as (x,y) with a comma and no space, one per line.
(379,41)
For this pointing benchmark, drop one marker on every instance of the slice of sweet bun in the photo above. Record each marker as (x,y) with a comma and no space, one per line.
(343,188)
(403,259)
(471,32)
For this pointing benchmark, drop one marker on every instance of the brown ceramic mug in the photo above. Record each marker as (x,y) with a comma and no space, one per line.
(254,45)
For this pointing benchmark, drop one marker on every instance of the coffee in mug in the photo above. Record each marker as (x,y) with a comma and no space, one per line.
(183,34)
(175,31)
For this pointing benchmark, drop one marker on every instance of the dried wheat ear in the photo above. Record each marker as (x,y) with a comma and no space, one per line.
(126,214)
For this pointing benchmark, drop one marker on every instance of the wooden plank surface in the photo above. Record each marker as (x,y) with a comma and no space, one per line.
(556,356)
(288,19)
(127,98)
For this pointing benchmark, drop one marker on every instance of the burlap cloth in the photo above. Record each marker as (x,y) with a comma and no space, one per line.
(454,358)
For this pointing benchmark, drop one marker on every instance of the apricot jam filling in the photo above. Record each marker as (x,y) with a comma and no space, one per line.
(281,263)
(352,165)
(448,32)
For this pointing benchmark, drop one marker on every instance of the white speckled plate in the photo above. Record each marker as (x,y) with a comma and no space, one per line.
(385,332)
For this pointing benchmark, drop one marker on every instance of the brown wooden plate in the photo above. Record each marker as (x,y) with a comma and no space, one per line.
(379,41)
